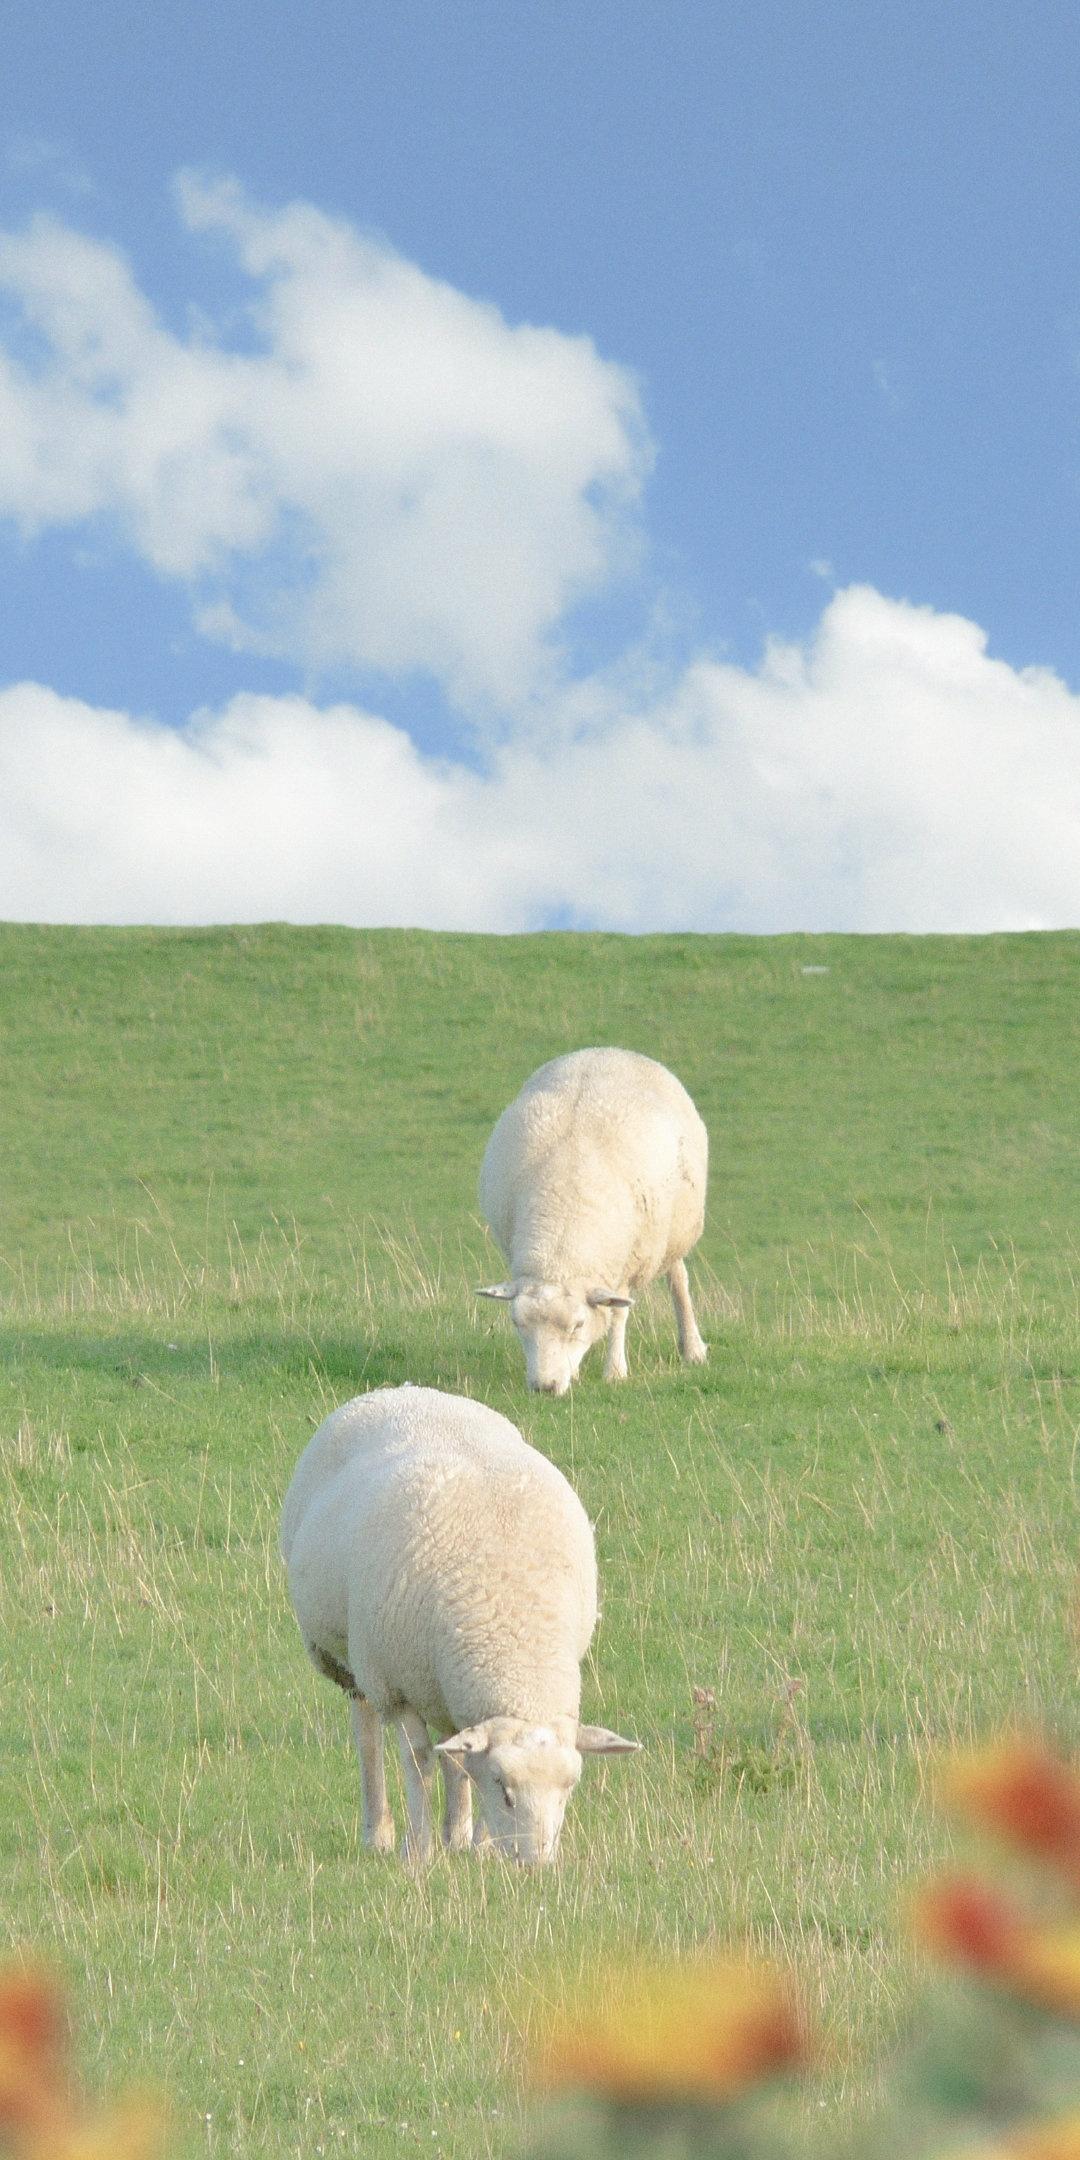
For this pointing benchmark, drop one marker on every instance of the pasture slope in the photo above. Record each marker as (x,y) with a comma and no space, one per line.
(239,1186)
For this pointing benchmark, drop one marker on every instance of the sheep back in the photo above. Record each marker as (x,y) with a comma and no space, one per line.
(440,1561)
(597,1171)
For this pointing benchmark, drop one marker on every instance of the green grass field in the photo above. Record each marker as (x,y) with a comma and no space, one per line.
(238,1187)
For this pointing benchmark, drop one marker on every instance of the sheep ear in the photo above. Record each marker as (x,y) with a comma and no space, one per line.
(472,1740)
(504,1290)
(597,1740)
(607,1297)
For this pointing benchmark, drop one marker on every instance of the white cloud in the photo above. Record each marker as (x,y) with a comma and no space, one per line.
(374,470)
(383,473)
(887,776)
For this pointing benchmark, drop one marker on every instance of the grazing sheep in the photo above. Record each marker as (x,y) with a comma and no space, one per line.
(593,1182)
(443,1574)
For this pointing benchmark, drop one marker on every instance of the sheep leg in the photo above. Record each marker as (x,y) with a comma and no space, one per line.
(418,1767)
(457,1818)
(690,1343)
(368,1736)
(615,1365)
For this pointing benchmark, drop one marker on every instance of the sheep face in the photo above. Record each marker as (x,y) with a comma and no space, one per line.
(524,1776)
(556,1324)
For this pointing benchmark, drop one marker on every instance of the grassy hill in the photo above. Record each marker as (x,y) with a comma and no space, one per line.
(238,1186)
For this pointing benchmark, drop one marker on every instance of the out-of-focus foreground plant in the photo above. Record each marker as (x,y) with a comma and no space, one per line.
(685,2060)
(42,2115)
(665,2062)
(666,2059)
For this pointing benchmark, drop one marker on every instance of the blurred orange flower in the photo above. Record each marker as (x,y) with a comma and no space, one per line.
(698,2031)
(1024,1793)
(39,2118)
(970,1924)
(33,2049)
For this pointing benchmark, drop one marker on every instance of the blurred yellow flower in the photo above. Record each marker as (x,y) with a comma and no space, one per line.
(1050,1966)
(1058,2139)
(132,2131)
(700,2030)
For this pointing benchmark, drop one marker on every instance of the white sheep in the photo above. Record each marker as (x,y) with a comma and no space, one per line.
(443,1573)
(593,1182)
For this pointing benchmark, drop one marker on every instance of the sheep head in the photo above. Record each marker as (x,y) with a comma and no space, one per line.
(556,1324)
(524,1775)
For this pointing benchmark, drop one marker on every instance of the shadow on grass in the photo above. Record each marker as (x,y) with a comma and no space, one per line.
(138,1357)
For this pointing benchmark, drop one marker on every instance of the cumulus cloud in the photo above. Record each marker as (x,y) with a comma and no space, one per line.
(378,472)
(889,775)
(366,469)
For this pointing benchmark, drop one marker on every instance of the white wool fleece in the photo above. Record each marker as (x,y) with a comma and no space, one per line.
(440,1561)
(443,1574)
(593,1183)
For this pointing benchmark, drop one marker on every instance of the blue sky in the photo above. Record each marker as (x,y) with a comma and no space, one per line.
(603,465)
